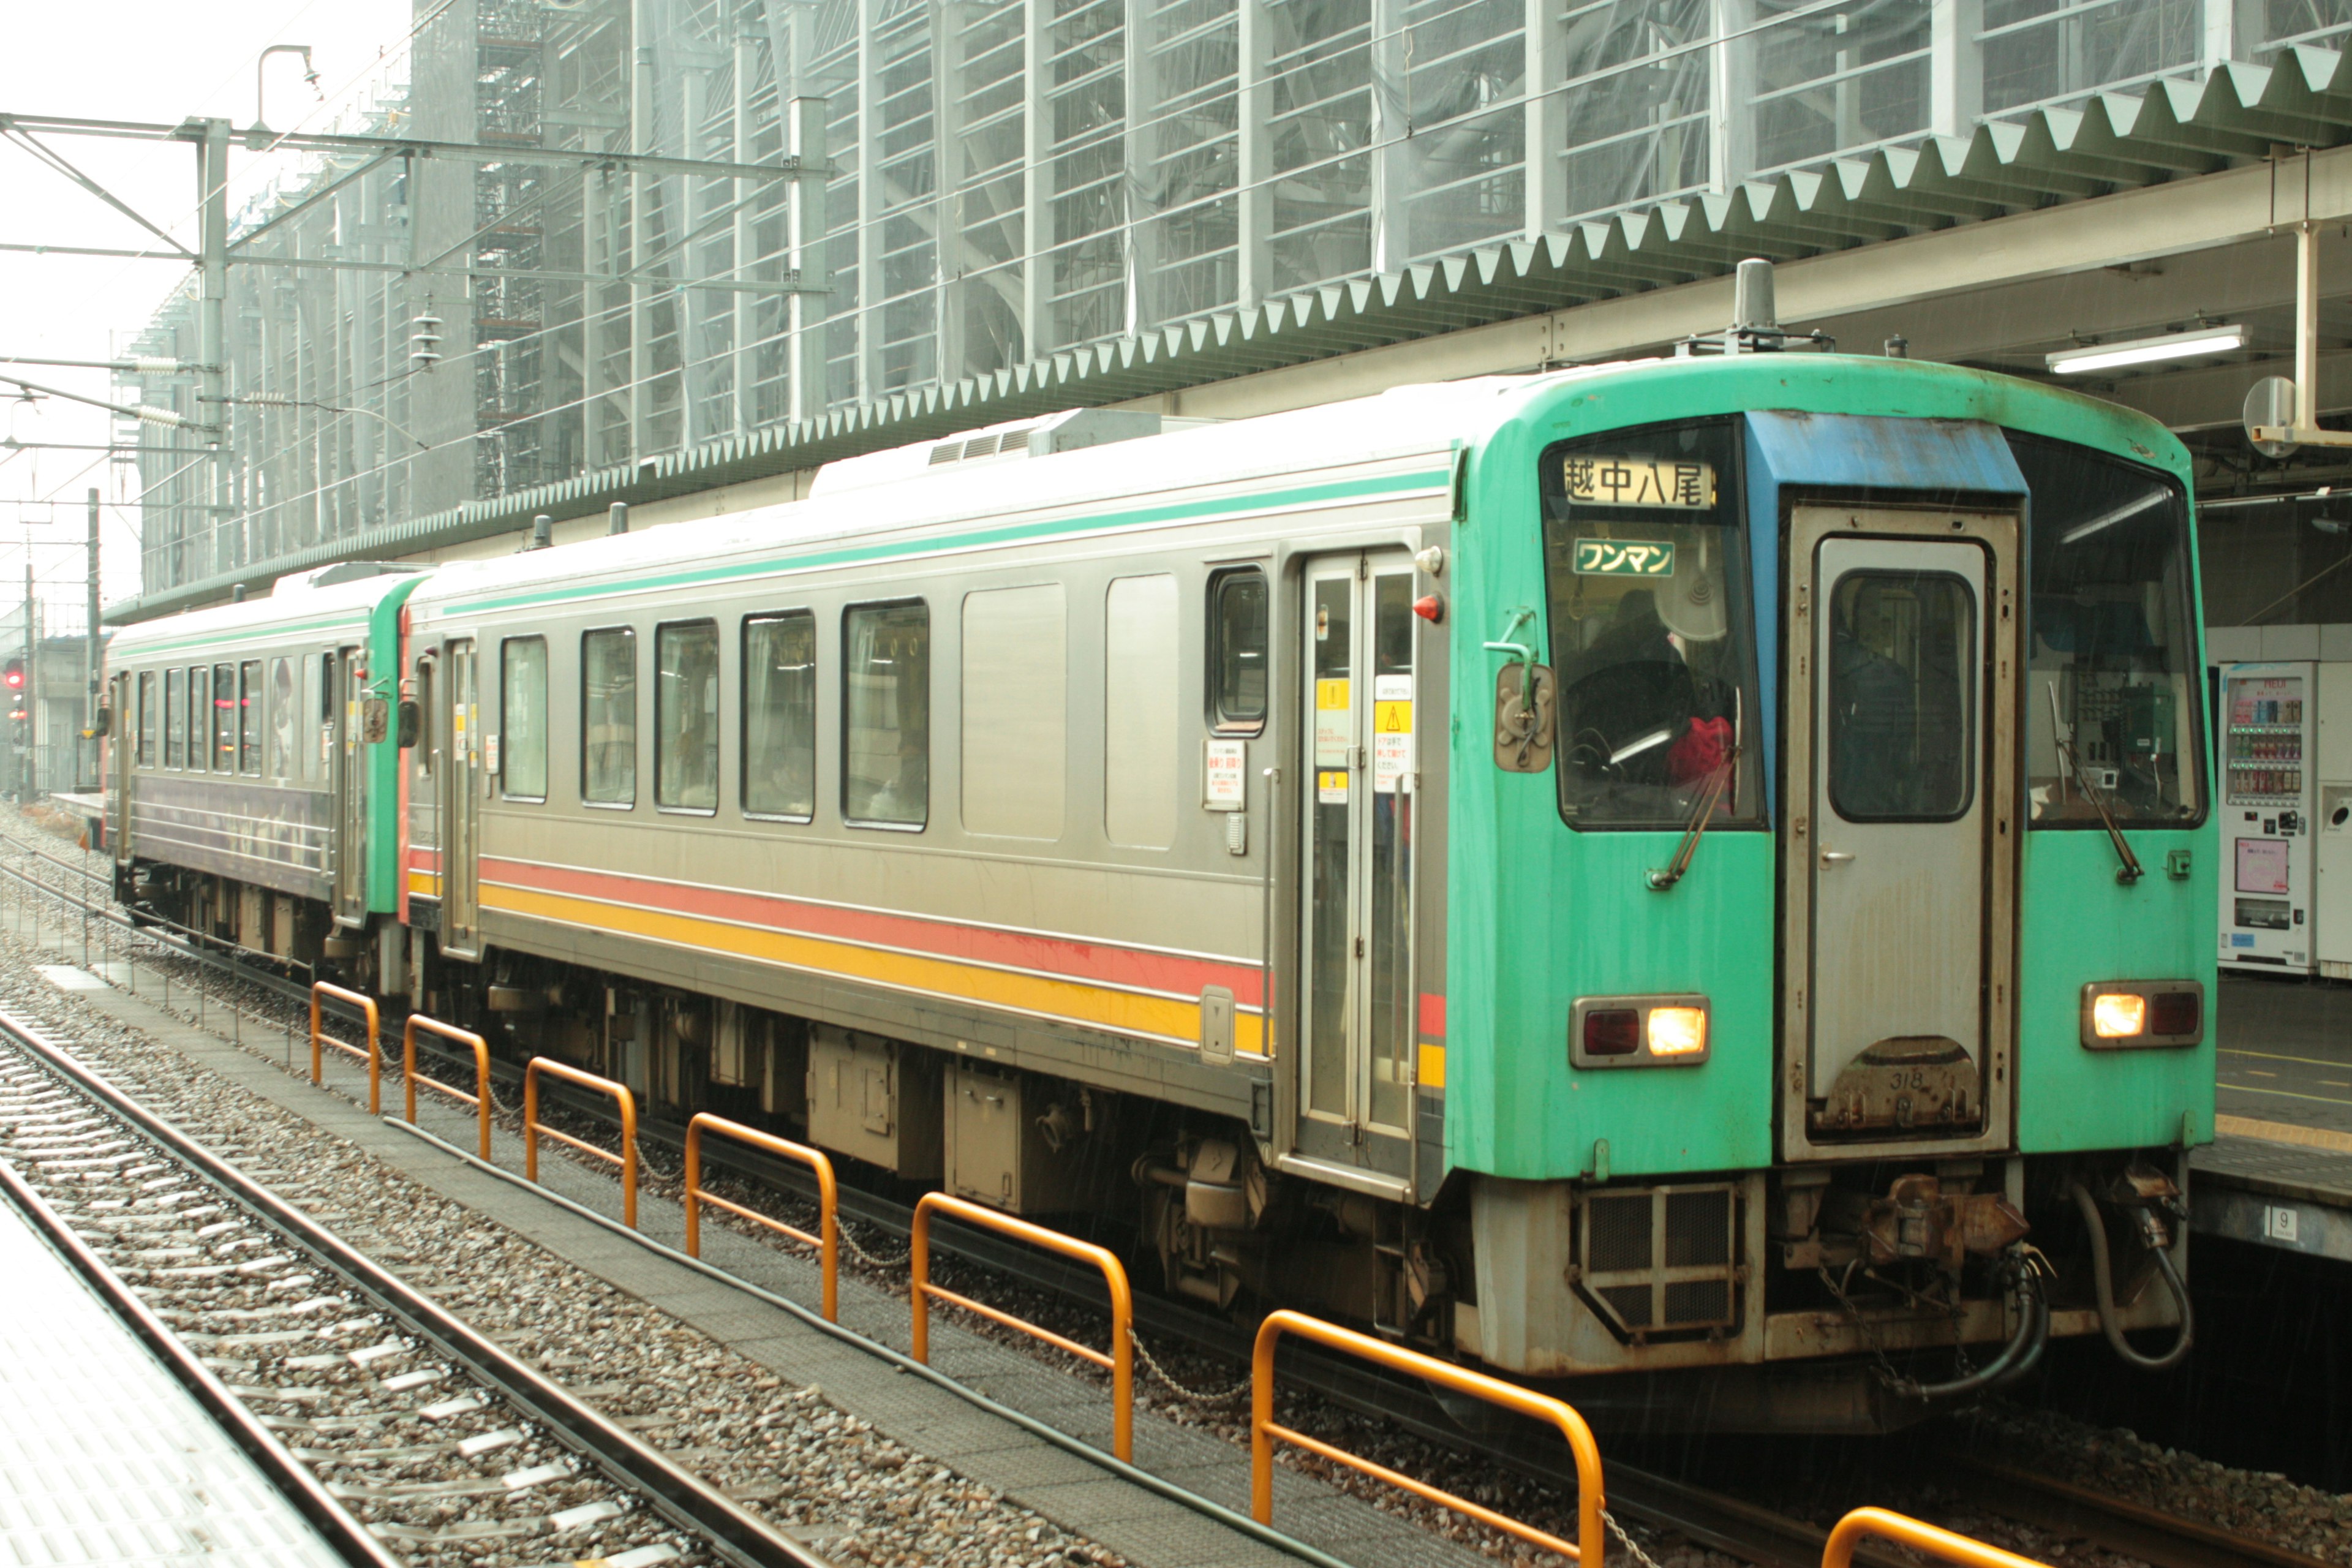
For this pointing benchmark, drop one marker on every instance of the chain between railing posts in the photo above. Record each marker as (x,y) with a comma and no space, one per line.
(372,1055)
(411,1078)
(1942,1544)
(1590,1547)
(827,1241)
(532,1132)
(1119,1360)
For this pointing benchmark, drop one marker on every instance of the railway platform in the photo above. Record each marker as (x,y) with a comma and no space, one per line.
(2279,1171)
(104,1456)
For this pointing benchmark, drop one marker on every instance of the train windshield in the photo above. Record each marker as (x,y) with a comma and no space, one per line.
(1645,556)
(2111,671)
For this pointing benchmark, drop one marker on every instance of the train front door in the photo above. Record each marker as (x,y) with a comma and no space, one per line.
(351,788)
(1356,803)
(461,912)
(1900,845)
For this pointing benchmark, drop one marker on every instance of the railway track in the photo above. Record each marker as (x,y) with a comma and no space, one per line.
(1706,1517)
(402,1431)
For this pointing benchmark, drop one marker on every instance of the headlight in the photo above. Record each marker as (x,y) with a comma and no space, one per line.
(1677,1031)
(2122,1014)
(1638,1031)
(2118,1014)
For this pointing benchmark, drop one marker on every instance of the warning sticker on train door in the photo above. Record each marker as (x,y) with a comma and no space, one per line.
(1330,786)
(1391,732)
(1221,775)
(1334,722)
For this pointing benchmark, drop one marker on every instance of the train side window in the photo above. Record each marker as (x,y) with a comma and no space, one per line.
(1140,720)
(284,711)
(1015,711)
(248,717)
(200,717)
(522,717)
(1237,652)
(224,714)
(608,716)
(175,717)
(886,715)
(146,754)
(686,716)
(779,716)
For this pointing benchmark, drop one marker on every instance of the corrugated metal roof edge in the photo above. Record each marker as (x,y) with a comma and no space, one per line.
(2111,141)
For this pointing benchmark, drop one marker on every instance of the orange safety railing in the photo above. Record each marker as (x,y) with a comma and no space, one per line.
(827,1241)
(410,1078)
(1119,1359)
(1590,1547)
(372,1055)
(1941,1544)
(532,1132)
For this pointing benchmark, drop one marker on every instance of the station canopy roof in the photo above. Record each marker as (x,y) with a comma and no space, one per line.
(2238,114)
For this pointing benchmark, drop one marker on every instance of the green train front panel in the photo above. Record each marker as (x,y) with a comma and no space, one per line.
(1541,913)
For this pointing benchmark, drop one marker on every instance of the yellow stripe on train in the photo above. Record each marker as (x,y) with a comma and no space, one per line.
(1075,1001)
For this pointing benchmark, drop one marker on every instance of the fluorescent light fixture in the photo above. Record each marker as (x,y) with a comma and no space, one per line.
(2147,350)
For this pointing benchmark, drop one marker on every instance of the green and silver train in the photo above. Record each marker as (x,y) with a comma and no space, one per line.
(1697,866)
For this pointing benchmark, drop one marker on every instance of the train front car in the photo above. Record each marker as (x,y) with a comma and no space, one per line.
(1829,908)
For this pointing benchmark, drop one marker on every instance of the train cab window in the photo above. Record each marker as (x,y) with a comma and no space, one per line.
(248,717)
(608,717)
(686,716)
(221,707)
(147,717)
(1645,559)
(175,717)
(779,716)
(522,717)
(1902,696)
(1237,652)
(886,715)
(2111,670)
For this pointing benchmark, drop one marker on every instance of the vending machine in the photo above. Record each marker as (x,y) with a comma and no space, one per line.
(2268,713)
(2331,902)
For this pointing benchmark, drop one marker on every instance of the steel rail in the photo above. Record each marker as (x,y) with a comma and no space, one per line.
(683,1499)
(305,1491)
(2127,1529)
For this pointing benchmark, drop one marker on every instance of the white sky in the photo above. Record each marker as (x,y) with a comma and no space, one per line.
(158,62)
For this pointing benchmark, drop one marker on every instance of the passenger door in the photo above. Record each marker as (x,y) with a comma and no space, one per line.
(461,795)
(122,751)
(1901,851)
(1356,801)
(350,789)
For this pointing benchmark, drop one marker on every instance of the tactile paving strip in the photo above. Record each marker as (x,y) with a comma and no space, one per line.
(104,1458)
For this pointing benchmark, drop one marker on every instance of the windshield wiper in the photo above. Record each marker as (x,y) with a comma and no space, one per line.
(2131,870)
(1702,813)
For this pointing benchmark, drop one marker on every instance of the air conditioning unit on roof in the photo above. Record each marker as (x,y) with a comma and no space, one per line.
(1067,431)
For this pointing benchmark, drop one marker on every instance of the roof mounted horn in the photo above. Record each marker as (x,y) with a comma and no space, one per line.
(1755,321)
